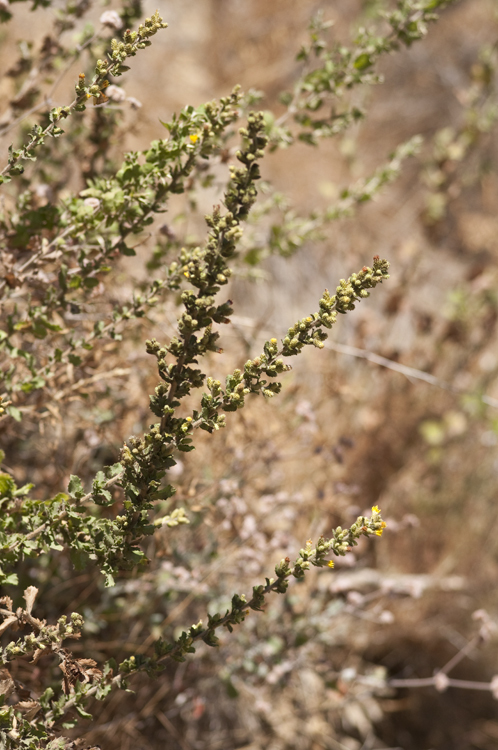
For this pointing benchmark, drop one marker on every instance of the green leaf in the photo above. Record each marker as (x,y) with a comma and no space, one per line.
(108,578)
(103,691)
(7,485)
(232,691)
(75,282)
(103,498)
(9,580)
(90,282)
(75,487)
(125,250)
(362,61)
(39,329)
(60,743)
(165,493)
(114,469)
(84,714)
(33,384)
(23,490)
(253,256)
(14,412)
(46,697)
(99,480)
(61,497)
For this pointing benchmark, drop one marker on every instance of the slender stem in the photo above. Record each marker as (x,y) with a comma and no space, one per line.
(49,716)
(409,372)
(448,682)
(465,651)
(432,682)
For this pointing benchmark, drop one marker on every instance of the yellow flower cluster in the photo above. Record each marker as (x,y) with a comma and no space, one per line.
(376,510)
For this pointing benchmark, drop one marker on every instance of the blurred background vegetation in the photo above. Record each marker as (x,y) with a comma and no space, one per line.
(347,433)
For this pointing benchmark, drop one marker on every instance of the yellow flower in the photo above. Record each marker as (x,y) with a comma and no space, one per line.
(194,138)
(382,527)
(375,509)
(331,563)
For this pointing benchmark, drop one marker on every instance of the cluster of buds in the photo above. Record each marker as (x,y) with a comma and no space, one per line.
(356,287)
(305,332)
(135,40)
(206,269)
(241,606)
(120,50)
(341,542)
(43,637)
(308,330)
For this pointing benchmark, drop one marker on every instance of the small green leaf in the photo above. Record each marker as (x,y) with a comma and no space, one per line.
(14,412)
(103,498)
(75,487)
(84,714)
(9,580)
(108,578)
(23,490)
(362,61)
(125,250)
(75,282)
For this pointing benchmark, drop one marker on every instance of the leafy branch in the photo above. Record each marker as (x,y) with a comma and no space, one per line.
(120,51)
(82,678)
(330,72)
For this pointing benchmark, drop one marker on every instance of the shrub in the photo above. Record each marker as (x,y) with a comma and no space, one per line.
(77,216)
